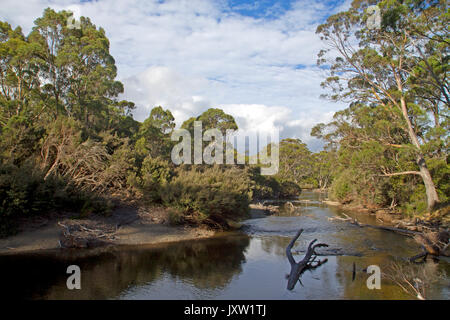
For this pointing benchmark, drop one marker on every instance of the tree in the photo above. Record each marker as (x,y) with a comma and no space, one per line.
(77,69)
(322,164)
(154,134)
(18,72)
(212,118)
(161,119)
(377,67)
(295,162)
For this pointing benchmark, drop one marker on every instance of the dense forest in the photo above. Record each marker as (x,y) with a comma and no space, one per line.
(68,141)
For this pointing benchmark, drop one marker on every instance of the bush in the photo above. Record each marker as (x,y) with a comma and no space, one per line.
(269,187)
(175,216)
(153,174)
(264,187)
(209,191)
(24,193)
(340,189)
(289,189)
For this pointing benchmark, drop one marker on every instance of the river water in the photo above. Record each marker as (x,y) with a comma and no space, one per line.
(249,264)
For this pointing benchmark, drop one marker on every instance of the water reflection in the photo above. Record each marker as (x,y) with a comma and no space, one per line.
(205,264)
(242,265)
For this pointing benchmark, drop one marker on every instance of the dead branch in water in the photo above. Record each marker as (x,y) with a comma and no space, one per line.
(433,243)
(414,279)
(297,268)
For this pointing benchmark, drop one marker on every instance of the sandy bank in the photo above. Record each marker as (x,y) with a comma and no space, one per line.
(134,226)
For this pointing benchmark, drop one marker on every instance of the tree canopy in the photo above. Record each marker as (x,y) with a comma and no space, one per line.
(395,77)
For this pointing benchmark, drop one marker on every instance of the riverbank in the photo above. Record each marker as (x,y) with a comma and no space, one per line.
(125,226)
(140,225)
(432,221)
(195,269)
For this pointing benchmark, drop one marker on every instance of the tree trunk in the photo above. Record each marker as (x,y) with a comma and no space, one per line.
(432,196)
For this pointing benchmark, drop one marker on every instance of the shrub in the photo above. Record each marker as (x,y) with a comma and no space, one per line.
(264,187)
(289,189)
(209,191)
(153,173)
(340,189)
(175,216)
(24,193)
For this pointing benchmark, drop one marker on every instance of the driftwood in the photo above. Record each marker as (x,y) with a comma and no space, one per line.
(432,243)
(77,235)
(289,206)
(297,268)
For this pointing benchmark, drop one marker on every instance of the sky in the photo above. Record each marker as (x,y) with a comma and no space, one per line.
(256,60)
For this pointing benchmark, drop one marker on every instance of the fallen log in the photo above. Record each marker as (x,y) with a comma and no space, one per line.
(433,243)
(398,230)
(298,268)
(423,255)
(386,228)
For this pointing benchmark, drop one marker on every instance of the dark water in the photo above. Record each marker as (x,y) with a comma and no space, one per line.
(242,265)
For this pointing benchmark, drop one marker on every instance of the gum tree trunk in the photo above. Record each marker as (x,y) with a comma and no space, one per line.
(432,196)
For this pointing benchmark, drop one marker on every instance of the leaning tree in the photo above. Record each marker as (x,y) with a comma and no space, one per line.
(395,65)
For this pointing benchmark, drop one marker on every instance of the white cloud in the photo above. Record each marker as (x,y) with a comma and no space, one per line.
(163,86)
(191,55)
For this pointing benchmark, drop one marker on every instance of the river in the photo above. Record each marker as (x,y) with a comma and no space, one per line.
(247,264)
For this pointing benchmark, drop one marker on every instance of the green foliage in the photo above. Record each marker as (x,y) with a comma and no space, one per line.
(392,139)
(25,193)
(341,189)
(67,141)
(209,191)
(272,187)
(371,151)
(153,136)
(289,190)
(175,216)
(400,71)
(151,177)
(264,187)
(20,139)
(295,164)
(212,118)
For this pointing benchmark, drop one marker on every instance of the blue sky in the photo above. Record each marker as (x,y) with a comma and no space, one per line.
(254,59)
(270,9)
(266,9)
